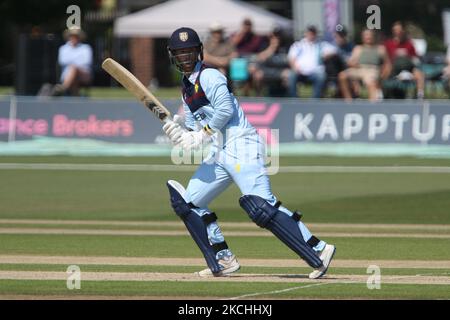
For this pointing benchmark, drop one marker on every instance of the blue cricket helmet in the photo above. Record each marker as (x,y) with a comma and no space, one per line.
(184,38)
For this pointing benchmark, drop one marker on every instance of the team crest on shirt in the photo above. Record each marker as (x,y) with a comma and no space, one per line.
(199,116)
(196,88)
(183,36)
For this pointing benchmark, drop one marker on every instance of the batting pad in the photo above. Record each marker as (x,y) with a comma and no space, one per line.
(194,223)
(281,225)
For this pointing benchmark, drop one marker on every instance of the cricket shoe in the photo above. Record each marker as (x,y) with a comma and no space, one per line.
(228,266)
(325,255)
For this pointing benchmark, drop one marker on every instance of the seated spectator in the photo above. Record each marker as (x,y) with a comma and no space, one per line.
(404,58)
(247,45)
(343,44)
(368,63)
(271,66)
(338,62)
(75,59)
(218,51)
(246,41)
(306,61)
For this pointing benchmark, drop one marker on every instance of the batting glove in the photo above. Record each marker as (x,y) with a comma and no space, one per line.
(192,140)
(174,130)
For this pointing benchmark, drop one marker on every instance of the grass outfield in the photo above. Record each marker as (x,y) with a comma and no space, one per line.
(322,197)
(398,221)
(224,290)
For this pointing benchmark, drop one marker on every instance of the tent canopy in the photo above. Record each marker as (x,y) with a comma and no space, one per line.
(161,20)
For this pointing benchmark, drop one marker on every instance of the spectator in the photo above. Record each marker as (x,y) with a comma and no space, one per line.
(343,44)
(338,62)
(75,59)
(247,45)
(218,51)
(271,66)
(246,41)
(368,63)
(404,58)
(306,61)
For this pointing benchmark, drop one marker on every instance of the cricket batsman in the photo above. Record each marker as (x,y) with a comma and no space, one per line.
(213,116)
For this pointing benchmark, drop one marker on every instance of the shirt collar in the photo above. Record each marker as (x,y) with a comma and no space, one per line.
(70,45)
(193,76)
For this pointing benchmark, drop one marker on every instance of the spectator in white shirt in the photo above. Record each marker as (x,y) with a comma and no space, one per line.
(75,59)
(306,60)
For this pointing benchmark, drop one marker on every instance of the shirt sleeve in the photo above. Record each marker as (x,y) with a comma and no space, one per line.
(328,48)
(293,51)
(189,120)
(214,84)
(86,56)
(62,56)
(411,49)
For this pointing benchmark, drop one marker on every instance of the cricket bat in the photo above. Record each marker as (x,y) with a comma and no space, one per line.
(134,86)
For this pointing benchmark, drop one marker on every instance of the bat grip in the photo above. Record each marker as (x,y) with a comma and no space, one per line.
(166,119)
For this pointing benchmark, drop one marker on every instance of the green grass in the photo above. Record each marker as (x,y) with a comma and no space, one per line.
(421,198)
(223,289)
(361,161)
(159,288)
(385,207)
(323,197)
(94,227)
(113,92)
(183,246)
(387,291)
(244,227)
(6,90)
(284,161)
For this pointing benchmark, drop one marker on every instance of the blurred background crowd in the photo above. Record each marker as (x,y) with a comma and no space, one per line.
(307,48)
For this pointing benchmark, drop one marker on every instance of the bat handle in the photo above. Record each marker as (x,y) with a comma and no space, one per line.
(166,119)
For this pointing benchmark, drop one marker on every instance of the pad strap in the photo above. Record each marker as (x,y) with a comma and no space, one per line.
(209,218)
(296,216)
(313,241)
(220,246)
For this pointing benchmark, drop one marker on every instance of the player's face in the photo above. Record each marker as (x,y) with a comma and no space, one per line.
(186,59)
